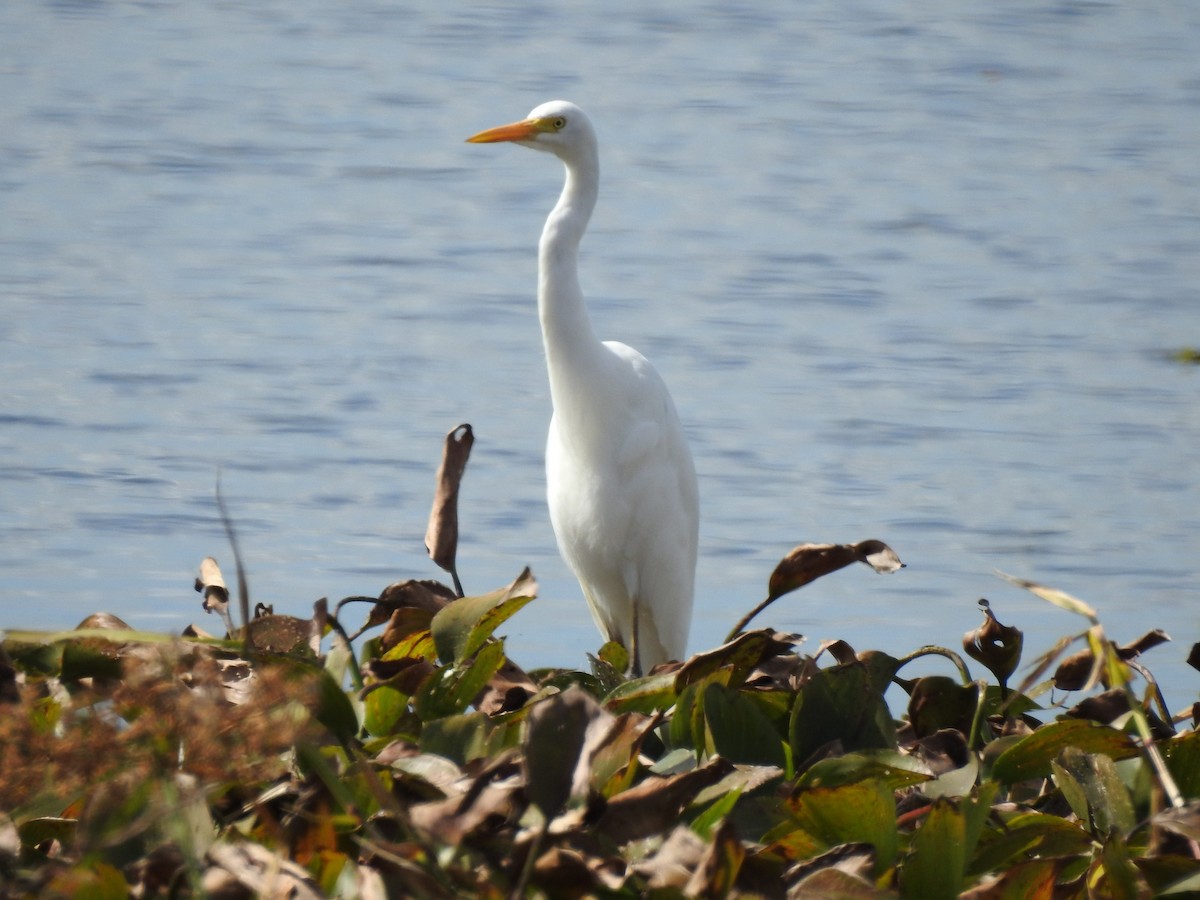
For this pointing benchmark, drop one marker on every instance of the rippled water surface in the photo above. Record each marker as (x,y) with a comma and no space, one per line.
(912,275)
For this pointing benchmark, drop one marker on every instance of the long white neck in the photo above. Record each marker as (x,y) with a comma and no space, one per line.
(573,352)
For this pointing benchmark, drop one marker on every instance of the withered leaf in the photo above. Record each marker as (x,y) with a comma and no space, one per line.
(718,869)
(419,594)
(843,871)
(441,537)
(995,645)
(1183,821)
(808,562)
(254,867)
(651,806)
(672,866)
(742,654)
(555,735)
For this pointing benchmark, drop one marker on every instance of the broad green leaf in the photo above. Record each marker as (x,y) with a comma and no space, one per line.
(1105,799)
(458,738)
(1071,789)
(938,858)
(644,695)
(452,689)
(460,628)
(89,659)
(840,703)
(863,811)
(1182,754)
(1028,835)
(1031,756)
(704,823)
(740,731)
(938,702)
(687,725)
(1120,877)
(334,709)
(887,767)
(383,706)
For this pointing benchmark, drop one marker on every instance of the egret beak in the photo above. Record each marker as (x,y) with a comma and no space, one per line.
(517,131)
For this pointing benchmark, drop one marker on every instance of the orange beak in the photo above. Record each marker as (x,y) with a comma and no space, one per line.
(517,131)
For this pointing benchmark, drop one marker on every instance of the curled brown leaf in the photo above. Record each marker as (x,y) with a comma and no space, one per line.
(441,536)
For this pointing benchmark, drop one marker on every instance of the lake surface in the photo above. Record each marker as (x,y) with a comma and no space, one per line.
(913,273)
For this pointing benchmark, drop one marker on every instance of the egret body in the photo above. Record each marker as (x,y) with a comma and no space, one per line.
(620,480)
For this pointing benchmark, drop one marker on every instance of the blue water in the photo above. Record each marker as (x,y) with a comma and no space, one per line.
(912,274)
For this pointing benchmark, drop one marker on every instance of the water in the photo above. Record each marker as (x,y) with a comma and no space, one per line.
(913,274)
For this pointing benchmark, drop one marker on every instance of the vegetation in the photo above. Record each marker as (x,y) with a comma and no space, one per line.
(412,758)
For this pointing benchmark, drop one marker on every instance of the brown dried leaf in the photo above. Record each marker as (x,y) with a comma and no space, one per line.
(808,562)
(254,867)
(653,805)
(672,866)
(441,537)
(403,624)
(1184,821)
(844,871)
(1147,641)
(556,766)
(416,594)
(717,872)
(457,816)
(507,691)
(1079,671)
(995,645)
(743,654)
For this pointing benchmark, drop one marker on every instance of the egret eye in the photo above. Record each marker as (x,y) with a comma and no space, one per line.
(559,123)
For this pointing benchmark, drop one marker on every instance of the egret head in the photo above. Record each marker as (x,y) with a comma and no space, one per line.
(557,126)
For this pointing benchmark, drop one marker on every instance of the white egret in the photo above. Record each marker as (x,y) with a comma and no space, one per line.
(620,479)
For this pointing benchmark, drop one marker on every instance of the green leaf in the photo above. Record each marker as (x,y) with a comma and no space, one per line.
(890,769)
(460,628)
(643,695)
(843,704)
(383,706)
(687,725)
(863,811)
(458,738)
(90,659)
(938,859)
(1028,835)
(451,690)
(1031,756)
(1182,755)
(740,730)
(1105,799)
(334,709)
(1124,882)
(937,702)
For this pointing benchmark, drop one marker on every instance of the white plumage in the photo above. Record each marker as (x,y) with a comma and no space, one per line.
(621,483)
